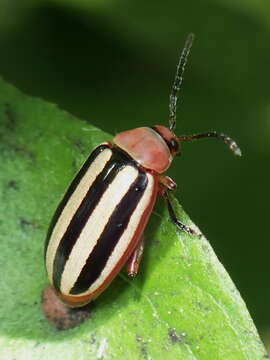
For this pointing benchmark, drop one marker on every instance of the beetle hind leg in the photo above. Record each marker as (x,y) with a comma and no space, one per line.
(135,258)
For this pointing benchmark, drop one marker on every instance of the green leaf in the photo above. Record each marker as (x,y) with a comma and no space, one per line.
(182,305)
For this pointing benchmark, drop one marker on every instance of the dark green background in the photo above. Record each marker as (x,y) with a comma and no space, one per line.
(112,63)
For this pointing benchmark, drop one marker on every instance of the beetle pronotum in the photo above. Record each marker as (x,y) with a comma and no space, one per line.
(98,226)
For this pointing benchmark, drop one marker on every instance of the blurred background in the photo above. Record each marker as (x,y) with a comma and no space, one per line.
(112,63)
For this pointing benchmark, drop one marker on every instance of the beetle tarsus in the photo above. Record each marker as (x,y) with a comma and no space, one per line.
(178,223)
(185,228)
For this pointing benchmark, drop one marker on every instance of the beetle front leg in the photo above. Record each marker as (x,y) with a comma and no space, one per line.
(165,184)
(135,258)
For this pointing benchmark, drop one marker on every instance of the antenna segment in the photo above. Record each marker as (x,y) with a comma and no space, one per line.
(178,80)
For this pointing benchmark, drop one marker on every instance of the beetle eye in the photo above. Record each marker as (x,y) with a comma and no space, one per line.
(174,147)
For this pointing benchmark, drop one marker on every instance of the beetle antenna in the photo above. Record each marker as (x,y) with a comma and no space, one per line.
(178,80)
(213,134)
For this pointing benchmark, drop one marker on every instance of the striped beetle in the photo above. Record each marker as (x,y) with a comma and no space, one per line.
(98,226)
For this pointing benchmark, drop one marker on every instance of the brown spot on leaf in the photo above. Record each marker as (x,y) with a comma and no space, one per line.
(29,223)
(93,339)
(58,314)
(142,346)
(12,184)
(10,123)
(24,151)
(80,146)
(175,337)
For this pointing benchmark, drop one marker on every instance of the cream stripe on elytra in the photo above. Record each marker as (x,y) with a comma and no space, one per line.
(72,205)
(126,237)
(95,225)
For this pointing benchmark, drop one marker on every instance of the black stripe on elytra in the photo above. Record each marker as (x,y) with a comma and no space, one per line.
(111,234)
(118,160)
(71,190)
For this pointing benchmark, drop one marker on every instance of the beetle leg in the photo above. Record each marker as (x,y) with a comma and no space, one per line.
(165,184)
(135,258)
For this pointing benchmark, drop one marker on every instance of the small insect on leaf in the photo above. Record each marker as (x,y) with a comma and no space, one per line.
(99,224)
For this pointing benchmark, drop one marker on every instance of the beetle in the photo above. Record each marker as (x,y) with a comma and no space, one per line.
(98,226)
